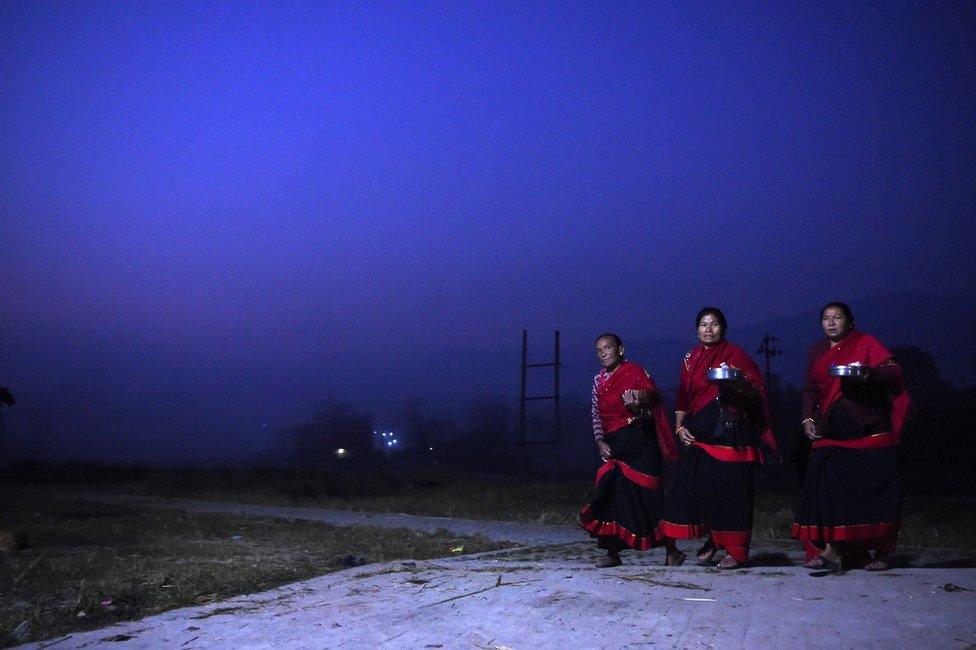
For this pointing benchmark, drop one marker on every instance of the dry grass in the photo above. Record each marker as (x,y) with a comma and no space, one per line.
(381,489)
(147,561)
(926,522)
(92,564)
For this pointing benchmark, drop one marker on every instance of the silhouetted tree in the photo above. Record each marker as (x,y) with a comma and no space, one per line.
(421,428)
(335,425)
(928,389)
(785,404)
(937,445)
(490,419)
(6,399)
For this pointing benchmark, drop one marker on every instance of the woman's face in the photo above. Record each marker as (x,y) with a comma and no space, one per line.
(608,352)
(710,330)
(835,323)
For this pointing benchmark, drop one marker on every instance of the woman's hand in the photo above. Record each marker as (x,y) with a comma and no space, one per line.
(632,399)
(636,400)
(810,429)
(604,450)
(684,435)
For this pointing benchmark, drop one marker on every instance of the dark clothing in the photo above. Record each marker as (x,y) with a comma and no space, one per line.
(713,488)
(712,492)
(851,493)
(629,502)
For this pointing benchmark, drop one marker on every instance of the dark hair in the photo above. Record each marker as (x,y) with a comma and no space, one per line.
(841,306)
(609,335)
(717,313)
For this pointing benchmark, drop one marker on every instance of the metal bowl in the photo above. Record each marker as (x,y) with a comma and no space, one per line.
(724,373)
(853,370)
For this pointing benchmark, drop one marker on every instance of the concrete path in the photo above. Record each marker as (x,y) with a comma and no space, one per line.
(548,595)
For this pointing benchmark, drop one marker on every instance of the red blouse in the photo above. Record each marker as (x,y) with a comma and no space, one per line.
(695,391)
(823,390)
(610,414)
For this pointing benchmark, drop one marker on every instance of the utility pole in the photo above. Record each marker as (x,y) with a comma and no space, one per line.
(768,350)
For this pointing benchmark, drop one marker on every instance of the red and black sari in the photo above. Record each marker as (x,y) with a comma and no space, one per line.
(713,487)
(629,502)
(850,492)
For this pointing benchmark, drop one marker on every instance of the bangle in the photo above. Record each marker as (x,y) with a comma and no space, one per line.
(680,428)
(805,420)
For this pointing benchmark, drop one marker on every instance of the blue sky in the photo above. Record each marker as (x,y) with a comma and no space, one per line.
(314,195)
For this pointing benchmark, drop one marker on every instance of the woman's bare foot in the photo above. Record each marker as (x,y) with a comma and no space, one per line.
(707,552)
(879,563)
(728,562)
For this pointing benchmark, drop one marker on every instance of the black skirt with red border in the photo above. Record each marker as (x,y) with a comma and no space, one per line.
(713,486)
(711,496)
(629,501)
(850,495)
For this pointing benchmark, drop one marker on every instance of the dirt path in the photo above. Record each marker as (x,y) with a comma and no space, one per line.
(548,595)
(520,533)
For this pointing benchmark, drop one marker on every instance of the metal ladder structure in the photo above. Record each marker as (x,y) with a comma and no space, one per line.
(524,399)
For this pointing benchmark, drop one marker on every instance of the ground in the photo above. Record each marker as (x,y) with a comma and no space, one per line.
(548,594)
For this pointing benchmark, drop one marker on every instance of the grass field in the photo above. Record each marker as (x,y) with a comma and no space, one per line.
(91,564)
(927,521)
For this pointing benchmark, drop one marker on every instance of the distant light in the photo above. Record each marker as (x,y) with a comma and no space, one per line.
(394,441)
(341,452)
(430,449)
(389,444)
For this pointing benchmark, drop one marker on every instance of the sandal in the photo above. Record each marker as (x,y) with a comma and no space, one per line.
(877,564)
(728,563)
(706,553)
(608,561)
(823,563)
(675,559)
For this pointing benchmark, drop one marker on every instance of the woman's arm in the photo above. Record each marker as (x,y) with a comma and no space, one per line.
(684,435)
(598,433)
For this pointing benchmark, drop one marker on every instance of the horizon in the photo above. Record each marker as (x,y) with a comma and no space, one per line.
(216,216)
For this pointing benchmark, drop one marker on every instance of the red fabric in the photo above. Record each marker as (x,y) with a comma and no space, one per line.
(640,478)
(730,454)
(857,532)
(590,524)
(877,441)
(739,553)
(614,415)
(735,542)
(725,538)
(682,531)
(695,391)
(856,347)
(810,551)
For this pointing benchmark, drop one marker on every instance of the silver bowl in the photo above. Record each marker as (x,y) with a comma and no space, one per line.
(724,374)
(853,370)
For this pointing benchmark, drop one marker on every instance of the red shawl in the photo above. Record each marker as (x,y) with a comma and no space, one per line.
(695,391)
(610,405)
(856,347)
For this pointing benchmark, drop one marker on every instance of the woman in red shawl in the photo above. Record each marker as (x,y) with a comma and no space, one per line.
(631,434)
(851,501)
(721,424)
